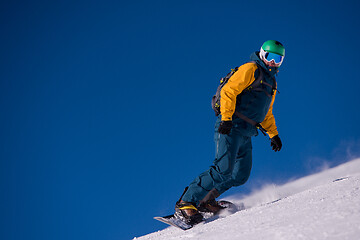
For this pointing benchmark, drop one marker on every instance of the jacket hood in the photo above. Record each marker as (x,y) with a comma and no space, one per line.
(272,71)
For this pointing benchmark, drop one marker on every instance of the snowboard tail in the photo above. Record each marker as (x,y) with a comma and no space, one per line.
(173,221)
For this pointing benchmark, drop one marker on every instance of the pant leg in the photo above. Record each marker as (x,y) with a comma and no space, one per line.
(221,174)
(243,163)
(242,166)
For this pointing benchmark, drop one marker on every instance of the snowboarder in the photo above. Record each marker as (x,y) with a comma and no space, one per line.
(244,108)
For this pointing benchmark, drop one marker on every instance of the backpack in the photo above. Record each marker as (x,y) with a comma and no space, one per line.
(215,101)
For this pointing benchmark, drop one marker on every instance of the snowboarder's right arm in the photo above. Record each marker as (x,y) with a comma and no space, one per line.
(241,79)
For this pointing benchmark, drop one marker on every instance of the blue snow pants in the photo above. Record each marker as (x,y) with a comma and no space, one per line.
(232,166)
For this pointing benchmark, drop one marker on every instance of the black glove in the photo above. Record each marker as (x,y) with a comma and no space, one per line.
(276,143)
(225,127)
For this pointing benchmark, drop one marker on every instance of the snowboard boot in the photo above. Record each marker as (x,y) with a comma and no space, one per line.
(209,204)
(187,212)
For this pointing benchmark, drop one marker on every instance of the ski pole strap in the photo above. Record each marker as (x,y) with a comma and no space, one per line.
(252,122)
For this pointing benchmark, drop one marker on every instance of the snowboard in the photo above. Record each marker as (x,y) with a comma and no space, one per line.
(229,208)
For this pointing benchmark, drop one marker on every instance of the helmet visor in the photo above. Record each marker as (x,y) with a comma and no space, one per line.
(273,56)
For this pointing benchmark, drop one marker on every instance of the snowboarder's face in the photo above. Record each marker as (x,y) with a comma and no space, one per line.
(271,63)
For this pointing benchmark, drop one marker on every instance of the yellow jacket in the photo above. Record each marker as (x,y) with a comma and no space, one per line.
(239,81)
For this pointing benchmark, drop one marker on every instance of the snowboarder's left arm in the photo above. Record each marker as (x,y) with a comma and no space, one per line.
(269,121)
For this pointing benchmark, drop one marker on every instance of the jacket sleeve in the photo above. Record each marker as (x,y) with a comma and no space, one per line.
(241,79)
(269,121)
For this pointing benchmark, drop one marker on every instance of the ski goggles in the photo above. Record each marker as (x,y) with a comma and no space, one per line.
(273,56)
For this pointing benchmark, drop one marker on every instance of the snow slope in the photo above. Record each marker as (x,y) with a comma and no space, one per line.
(325,205)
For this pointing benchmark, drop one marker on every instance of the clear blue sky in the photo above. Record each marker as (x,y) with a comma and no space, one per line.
(105,105)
